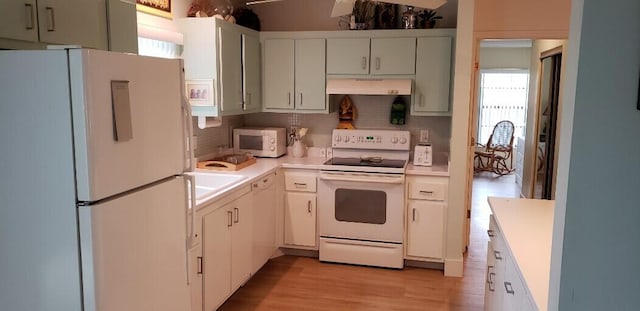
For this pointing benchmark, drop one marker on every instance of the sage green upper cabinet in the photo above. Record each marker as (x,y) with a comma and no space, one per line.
(348,56)
(251,66)
(376,56)
(227,56)
(433,76)
(294,75)
(393,56)
(78,22)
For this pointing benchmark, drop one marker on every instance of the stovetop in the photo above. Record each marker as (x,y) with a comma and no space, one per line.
(367,161)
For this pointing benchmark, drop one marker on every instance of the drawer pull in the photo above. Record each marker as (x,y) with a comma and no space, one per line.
(490,233)
(426,192)
(498,255)
(509,288)
(300,185)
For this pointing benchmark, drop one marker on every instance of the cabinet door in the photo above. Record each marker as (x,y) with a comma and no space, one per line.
(425,229)
(19,20)
(230,45)
(251,73)
(82,22)
(310,77)
(433,70)
(348,56)
(241,244)
(300,219)
(195,277)
(278,74)
(391,56)
(122,22)
(216,243)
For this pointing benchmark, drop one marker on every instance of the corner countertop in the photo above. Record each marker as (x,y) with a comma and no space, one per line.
(527,228)
(435,170)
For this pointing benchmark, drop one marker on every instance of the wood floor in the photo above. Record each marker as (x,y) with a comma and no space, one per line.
(299,283)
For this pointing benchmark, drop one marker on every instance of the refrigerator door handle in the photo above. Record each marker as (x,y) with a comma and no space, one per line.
(188,125)
(191,220)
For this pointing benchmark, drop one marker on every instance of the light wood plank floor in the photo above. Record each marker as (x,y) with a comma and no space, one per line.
(298,283)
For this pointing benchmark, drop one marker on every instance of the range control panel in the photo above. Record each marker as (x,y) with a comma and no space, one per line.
(371,139)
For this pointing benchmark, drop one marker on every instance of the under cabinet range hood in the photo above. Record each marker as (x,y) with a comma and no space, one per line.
(369,86)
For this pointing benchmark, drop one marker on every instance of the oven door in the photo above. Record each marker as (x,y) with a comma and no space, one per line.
(362,206)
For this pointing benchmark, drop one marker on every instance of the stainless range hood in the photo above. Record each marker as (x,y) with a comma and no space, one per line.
(369,86)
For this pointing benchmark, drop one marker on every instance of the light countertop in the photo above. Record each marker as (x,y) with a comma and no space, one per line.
(435,170)
(527,228)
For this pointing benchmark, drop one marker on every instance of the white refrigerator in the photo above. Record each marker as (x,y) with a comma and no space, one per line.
(94,206)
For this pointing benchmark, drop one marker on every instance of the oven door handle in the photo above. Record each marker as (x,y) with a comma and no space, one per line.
(369,178)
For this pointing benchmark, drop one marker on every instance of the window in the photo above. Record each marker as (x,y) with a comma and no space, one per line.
(157,48)
(503,96)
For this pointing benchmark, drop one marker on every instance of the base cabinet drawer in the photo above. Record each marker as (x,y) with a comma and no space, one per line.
(428,190)
(300,181)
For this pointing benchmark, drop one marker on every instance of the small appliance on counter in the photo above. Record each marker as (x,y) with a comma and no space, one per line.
(268,142)
(423,154)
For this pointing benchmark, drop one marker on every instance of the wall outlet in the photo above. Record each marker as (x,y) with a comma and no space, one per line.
(425,135)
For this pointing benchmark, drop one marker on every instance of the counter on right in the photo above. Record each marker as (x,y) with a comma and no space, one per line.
(518,254)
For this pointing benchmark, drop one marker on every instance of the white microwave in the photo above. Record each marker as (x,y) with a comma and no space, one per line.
(267,142)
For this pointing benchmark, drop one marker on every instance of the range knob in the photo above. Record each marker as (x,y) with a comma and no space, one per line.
(403,140)
(272,140)
(394,140)
(346,139)
(337,138)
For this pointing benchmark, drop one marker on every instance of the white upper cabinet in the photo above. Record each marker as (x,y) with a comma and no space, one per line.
(433,76)
(294,75)
(228,57)
(376,56)
(77,22)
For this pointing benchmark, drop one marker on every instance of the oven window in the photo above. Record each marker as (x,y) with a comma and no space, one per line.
(363,206)
(250,142)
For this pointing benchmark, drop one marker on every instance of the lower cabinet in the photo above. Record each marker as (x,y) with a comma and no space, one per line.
(300,218)
(426,210)
(226,250)
(504,288)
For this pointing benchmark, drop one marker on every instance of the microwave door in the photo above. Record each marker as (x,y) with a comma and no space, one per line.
(251,143)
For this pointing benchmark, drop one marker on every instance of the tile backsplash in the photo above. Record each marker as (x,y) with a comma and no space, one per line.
(372,113)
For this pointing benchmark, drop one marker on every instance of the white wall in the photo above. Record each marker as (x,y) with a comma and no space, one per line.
(596,238)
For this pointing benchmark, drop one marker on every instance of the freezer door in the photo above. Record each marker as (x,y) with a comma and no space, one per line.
(134,250)
(127,121)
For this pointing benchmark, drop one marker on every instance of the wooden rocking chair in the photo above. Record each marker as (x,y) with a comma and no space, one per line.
(493,156)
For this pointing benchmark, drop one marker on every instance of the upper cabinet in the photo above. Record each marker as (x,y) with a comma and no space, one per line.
(376,56)
(228,57)
(294,75)
(77,22)
(433,76)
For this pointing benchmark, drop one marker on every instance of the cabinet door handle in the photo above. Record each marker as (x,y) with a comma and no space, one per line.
(490,233)
(51,25)
(498,255)
(230,218)
(289,98)
(29,21)
(509,288)
(309,206)
(413,212)
(492,287)
(378,63)
(237,218)
(421,100)
(199,265)
(300,99)
(364,62)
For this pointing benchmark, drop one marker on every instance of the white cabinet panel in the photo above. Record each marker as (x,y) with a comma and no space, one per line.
(229,42)
(425,229)
(433,76)
(241,241)
(251,73)
(264,220)
(299,181)
(195,277)
(19,20)
(60,22)
(300,219)
(216,239)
